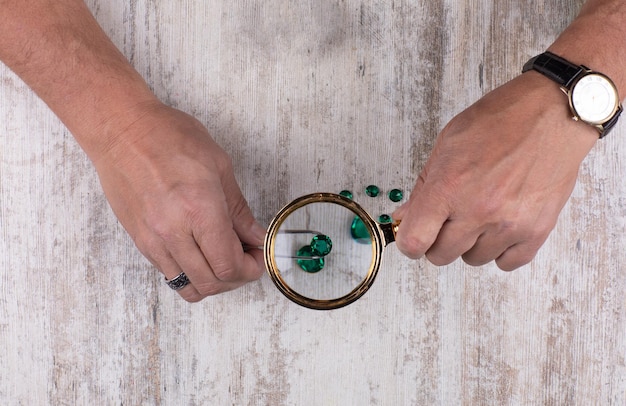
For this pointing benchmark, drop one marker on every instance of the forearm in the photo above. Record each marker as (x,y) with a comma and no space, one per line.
(597,39)
(60,51)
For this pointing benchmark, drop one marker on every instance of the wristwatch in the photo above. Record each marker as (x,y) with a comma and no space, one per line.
(593,97)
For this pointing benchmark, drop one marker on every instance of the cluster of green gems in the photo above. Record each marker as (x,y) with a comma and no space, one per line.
(395,195)
(358,229)
(311,257)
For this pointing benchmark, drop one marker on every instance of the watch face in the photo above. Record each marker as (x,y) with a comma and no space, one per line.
(594,98)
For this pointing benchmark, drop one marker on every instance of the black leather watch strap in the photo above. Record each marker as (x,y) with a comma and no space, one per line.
(554,67)
(606,127)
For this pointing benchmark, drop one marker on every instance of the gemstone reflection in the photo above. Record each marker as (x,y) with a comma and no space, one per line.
(359,231)
(321,245)
(309,265)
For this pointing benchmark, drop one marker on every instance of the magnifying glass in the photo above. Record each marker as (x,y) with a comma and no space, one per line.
(323,250)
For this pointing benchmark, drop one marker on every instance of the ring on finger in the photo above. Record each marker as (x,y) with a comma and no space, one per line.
(178,282)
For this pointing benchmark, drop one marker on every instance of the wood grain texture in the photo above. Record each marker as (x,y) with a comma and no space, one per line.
(306,96)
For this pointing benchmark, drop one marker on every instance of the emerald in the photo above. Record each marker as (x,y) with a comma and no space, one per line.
(321,245)
(384,218)
(309,265)
(395,195)
(346,193)
(372,190)
(359,231)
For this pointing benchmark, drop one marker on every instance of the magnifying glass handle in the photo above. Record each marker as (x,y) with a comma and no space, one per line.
(389,231)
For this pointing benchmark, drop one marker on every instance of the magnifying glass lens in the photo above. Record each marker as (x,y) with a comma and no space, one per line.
(322,251)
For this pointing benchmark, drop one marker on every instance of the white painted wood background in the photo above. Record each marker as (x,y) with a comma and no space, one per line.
(306,96)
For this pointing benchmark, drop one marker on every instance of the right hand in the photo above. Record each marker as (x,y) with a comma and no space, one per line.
(497,178)
(173,189)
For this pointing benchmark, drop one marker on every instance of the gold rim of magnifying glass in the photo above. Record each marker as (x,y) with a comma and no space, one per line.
(378,243)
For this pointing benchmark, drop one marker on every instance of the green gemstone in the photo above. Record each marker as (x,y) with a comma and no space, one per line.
(346,193)
(309,265)
(395,195)
(321,245)
(372,190)
(360,232)
(384,218)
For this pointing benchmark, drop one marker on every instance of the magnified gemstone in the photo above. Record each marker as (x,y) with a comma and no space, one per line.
(372,190)
(309,265)
(384,218)
(395,195)
(359,231)
(321,245)
(346,193)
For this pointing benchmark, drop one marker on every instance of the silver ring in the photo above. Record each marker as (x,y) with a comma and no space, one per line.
(178,282)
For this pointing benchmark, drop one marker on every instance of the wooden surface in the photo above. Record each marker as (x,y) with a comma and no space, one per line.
(306,96)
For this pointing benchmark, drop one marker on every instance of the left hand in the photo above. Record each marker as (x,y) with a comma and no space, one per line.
(173,189)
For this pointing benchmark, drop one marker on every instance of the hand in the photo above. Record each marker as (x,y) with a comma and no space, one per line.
(173,189)
(499,174)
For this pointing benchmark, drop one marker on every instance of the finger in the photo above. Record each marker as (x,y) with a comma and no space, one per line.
(170,269)
(221,246)
(488,247)
(515,257)
(528,243)
(174,253)
(422,219)
(190,294)
(519,255)
(187,292)
(454,239)
(417,233)
(244,223)
(191,260)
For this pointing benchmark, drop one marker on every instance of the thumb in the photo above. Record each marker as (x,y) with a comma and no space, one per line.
(244,223)
(421,220)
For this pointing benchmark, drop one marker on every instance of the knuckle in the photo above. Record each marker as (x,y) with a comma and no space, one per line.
(411,246)
(224,272)
(540,233)
(223,162)
(240,208)
(152,248)
(490,210)
(166,230)
(412,242)
(521,257)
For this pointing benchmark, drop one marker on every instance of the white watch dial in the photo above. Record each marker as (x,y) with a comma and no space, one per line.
(594,98)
